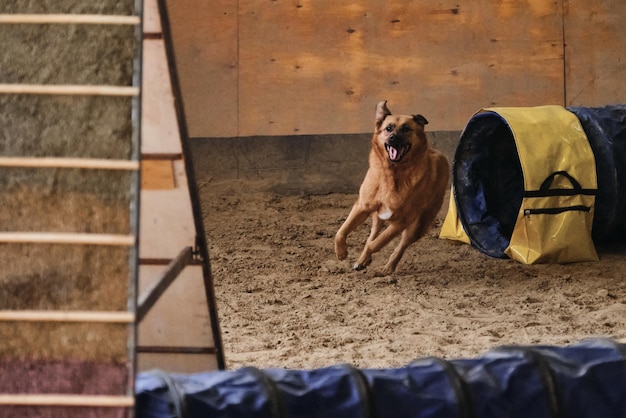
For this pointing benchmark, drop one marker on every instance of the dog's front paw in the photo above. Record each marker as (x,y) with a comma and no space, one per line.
(359,267)
(341,249)
(341,254)
(363,262)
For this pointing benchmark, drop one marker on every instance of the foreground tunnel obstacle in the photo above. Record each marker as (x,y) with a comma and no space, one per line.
(583,380)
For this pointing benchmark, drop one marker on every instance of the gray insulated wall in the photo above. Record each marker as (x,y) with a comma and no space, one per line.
(48,274)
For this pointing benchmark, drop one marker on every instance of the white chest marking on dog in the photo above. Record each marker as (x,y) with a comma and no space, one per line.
(385,214)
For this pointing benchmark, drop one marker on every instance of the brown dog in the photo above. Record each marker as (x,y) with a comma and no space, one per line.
(405,186)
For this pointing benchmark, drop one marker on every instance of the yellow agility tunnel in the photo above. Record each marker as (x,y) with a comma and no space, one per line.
(540,184)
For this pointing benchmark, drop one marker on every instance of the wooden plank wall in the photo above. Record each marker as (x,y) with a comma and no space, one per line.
(294,67)
(595,36)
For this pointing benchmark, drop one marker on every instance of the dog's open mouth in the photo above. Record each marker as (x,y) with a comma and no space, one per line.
(396,152)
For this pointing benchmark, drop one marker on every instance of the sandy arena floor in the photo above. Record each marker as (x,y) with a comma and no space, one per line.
(284,301)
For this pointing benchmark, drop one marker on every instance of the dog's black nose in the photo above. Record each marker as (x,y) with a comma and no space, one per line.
(393,138)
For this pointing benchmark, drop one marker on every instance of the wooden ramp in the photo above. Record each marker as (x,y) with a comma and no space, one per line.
(69,181)
(178,328)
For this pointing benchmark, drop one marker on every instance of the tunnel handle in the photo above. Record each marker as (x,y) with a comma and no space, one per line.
(547,183)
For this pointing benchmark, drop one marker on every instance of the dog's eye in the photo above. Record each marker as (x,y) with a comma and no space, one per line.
(405,129)
(389,128)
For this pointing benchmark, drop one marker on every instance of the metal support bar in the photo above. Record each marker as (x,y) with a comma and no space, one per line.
(150,296)
(162,156)
(153,349)
(165,261)
(201,243)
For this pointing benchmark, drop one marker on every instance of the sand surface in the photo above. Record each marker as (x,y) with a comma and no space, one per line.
(284,301)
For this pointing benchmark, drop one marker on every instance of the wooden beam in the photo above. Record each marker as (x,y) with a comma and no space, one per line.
(69,89)
(61,162)
(67,316)
(67,400)
(157,175)
(67,238)
(151,295)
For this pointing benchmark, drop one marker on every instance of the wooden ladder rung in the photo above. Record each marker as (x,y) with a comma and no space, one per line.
(70,238)
(112,317)
(62,162)
(67,400)
(69,89)
(90,19)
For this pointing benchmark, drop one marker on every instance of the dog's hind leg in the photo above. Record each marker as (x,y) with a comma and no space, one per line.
(409,236)
(406,240)
(375,245)
(377,226)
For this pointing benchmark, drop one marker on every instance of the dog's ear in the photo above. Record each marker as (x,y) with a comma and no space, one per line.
(420,120)
(381,113)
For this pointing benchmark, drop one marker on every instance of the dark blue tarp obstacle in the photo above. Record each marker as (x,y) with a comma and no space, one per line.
(587,380)
(489,185)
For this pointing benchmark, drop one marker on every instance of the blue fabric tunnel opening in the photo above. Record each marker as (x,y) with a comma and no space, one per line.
(488,182)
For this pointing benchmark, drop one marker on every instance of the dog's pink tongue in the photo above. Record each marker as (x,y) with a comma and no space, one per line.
(393,153)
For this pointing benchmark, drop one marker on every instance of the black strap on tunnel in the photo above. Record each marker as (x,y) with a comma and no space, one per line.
(277,404)
(368,406)
(545,190)
(546,376)
(177,398)
(459,386)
